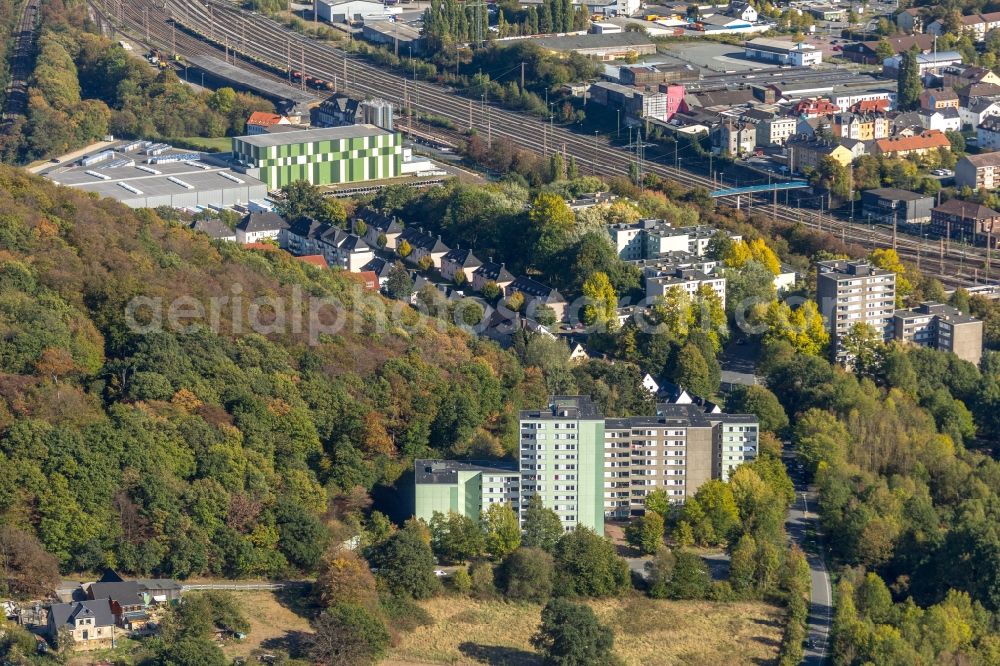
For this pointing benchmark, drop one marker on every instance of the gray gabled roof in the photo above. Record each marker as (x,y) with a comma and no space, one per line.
(495,272)
(537,289)
(463,258)
(214,228)
(99,610)
(262,222)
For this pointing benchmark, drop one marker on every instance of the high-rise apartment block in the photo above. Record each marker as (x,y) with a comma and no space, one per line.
(588,468)
(854,292)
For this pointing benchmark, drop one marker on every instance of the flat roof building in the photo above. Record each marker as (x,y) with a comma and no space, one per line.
(799,54)
(321,156)
(467,488)
(942,327)
(854,292)
(144,174)
(612,46)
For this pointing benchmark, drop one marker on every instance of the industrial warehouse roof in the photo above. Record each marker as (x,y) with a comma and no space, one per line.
(446,471)
(311,135)
(132,175)
(584,42)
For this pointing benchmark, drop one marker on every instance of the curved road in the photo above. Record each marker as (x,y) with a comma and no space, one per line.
(799,523)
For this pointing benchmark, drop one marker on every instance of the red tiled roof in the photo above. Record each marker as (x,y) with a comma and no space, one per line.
(924,141)
(263,119)
(260,246)
(317,260)
(368,279)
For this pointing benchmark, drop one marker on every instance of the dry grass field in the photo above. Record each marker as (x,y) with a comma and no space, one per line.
(647,631)
(272,624)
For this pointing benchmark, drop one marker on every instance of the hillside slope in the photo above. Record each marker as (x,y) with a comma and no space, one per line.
(208,449)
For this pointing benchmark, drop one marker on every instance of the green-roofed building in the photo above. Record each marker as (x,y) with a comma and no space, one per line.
(467,488)
(327,156)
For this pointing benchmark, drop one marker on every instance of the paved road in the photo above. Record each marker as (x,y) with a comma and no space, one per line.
(799,522)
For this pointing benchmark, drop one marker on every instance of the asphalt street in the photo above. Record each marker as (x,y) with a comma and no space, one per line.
(799,523)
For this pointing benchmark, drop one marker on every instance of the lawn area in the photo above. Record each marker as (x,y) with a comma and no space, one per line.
(219,144)
(272,624)
(647,631)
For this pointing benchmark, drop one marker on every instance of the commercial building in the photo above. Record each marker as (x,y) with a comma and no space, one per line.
(143,174)
(966,220)
(978,171)
(867,53)
(942,327)
(466,488)
(341,11)
(798,54)
(645,75)
(927,63)
(321,156)
(889,205)
(854,292)
(402,38)
(562,460)
(636,103)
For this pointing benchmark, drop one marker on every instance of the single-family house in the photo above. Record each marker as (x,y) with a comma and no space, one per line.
(215,229)
(90,624)
(260,122)
(912,19)
(257,227)
(946,119)
(578,354)
(938,98)
(742,10)
(735,137)
(978,110)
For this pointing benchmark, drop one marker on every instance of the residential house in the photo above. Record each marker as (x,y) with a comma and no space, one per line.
(578,354)
(367,279)
(742,10)
(942,327)
(735,138)
(257,227)
(689,280)
(912,19)
(537,294)
(960,77)
(422,245)
(339,248)
(892,206)
(129,599)
(976,26)
(90,624)
(807,153)
(857,147)
(980,171)
(938,98)
(215,229)
(988,133)
(912,145)
(491,271)
(315,260)
(772,129)
(380,268)
(260,122)
(945,119)
(972,91)
(860,127)
(966,220)
(380,230)
(459,260)
(869,106)
(978,110)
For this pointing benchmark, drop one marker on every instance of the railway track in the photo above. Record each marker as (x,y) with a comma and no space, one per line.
(22,63)
(261,40)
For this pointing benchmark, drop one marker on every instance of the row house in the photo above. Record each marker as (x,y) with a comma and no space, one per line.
(459,260)
(808,153)
(901,146)
(815,108)
(422,244)
(977,26)
(348,251)
(860,127)
(536,294)
(379,230)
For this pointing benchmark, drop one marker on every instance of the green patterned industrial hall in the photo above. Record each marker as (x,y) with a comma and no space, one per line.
(326,156)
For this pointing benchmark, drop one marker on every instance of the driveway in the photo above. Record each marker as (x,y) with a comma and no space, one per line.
(799,523)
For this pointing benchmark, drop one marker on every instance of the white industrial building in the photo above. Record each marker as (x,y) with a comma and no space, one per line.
(798,54)
(143,174)
(339,11)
